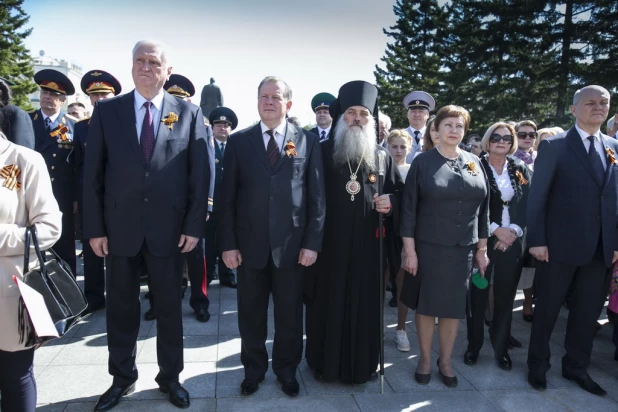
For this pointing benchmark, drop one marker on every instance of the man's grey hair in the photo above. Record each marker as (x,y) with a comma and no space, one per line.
(385,119)
(159,47)
(578,94)
(287,91)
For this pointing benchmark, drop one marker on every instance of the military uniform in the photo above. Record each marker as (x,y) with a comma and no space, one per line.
(95,81)
(54,141)
(322,101)
(226,276)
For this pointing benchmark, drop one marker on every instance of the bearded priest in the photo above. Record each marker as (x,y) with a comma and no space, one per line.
(342,293)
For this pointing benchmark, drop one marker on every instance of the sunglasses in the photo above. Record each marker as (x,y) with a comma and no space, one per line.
(495,138)
(524,135)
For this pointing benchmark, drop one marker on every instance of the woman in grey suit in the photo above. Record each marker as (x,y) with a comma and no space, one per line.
(444,227)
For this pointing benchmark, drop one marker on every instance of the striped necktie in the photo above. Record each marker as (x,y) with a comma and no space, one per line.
(272,150)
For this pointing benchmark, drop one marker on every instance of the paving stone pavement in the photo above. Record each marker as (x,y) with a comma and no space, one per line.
(72,372)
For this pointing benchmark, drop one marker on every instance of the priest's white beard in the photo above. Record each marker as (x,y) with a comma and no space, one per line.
(356,144)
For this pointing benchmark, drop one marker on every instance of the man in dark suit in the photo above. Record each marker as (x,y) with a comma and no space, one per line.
(572,232)
(320,105)
(98,85)
(53,130)
(223,121)
(16,124)
(146,179)
(273,217)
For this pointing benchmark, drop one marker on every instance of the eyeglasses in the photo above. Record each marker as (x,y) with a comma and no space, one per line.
(495,138)
(524,135)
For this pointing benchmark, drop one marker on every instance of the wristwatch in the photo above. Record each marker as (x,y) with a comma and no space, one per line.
(482,249)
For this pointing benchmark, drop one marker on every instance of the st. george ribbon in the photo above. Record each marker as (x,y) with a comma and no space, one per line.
(381,173)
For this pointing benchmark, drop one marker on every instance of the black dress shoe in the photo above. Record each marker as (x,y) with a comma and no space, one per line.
(202,315)
(178,395)
(422,378)
(527,318)
(470,357)
(537,380)
(514,342)
(112,396)
(505,362)
(586,383)
(150,315)
(289,386)
(229,283)
(249,387)
(393,302)
(449,381)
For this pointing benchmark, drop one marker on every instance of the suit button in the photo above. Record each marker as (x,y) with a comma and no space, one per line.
(461,201)
(601,197)
(54,154)
(458,225)
(461,188)
(460,213)
(147,174)
(272,177)
(272,198)
(53,167)
(146,200)
(52,179)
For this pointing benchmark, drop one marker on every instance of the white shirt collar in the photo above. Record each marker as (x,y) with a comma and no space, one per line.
(320,130)
(53,117)
(412,129)
(157,100)
(584,135)
(279,129)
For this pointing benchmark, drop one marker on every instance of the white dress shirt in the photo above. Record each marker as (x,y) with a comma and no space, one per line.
(506,190)
(597,144)
(326,131)
(53,118)
(155,111)
(415,147)
(279,134)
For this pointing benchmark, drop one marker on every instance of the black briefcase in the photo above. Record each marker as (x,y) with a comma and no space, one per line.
(52,278)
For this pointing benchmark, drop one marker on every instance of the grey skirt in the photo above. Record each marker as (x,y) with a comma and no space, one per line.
(440,286)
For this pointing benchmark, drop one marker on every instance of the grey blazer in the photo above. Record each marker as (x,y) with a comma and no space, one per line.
(443,206)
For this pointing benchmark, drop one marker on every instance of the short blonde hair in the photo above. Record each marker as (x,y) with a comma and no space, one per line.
(492,129)
(525,123)
(399,134)
(548,130)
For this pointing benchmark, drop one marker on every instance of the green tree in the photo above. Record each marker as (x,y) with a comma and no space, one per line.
(15,61)
(496,61)
(411,60)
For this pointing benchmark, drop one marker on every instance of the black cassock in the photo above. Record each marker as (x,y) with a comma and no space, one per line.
(343,287)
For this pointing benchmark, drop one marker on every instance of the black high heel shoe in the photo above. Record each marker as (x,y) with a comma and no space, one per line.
(449,381)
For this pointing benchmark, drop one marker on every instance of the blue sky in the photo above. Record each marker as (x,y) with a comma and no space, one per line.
(315,46)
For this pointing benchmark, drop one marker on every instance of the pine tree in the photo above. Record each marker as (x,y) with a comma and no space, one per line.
(15,61)
(411,61)
(496,61)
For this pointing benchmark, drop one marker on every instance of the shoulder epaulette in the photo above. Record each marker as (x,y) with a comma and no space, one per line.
(81,120)
(75,119)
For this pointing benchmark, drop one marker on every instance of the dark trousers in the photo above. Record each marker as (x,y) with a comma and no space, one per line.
(17,385)
(94,276)
(123,314)
(254,287)
(196,267)
(213,254)
(505,267)
(552,281)
(65,246)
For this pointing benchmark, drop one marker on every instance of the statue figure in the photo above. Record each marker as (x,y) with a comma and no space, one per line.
(211,98)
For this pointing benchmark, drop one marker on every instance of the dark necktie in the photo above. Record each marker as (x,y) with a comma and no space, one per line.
(147,137)
(222,148)
(323,136)
(416,134)
(48,123)
(595,160)
(272,150)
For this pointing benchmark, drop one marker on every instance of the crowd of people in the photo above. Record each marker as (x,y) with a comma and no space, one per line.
(281,211)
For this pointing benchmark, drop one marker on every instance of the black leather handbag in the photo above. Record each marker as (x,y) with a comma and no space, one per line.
(52,278)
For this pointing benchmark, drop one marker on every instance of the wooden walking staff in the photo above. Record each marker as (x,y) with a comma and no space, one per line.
(381,173)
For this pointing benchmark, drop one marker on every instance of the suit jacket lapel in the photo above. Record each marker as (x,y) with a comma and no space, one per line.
(257,142)
(126,112)
(577,145)
(290,135)
(41,133)
(610,167)
(169,105)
